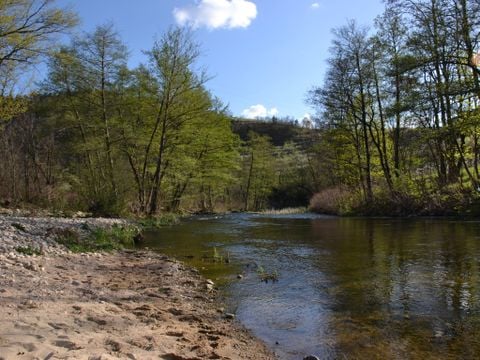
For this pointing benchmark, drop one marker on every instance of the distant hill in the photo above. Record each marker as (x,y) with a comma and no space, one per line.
(279,131)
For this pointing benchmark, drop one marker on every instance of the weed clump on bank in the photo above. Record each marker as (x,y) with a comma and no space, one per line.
(97,239)
(28,250)
(266,276)
(152,223)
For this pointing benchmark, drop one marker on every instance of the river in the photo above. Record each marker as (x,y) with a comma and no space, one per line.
(348,288)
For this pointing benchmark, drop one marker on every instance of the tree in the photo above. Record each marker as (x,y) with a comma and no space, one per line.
(415,76)
(102,56)
(27,28)
(174,125)
(259,171)
(181,98)
(345,97)
(391,37)
(83,82)
(205,162)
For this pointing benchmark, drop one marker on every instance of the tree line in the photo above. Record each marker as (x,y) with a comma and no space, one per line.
(396,126)
(101,136)
(399,113)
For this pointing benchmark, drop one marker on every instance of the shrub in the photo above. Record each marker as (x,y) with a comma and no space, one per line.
(334,201)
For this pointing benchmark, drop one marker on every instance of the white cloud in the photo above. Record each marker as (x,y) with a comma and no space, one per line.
(315,5)
(259,111)
(307,116)
(273,112)
(215,14)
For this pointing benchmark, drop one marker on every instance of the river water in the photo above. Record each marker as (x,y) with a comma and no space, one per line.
(347,288)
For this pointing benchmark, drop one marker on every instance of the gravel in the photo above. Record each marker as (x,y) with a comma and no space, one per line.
(39,233)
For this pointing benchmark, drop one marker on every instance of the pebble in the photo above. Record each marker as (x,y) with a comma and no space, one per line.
(31,304)
(229,316)
(30,266)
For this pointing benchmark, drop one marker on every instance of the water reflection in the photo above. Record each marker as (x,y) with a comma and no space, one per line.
(349,288)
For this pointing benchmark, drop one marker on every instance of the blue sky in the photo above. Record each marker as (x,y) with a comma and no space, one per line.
(264,55)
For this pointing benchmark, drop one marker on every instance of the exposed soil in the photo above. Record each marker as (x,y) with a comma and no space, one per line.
(123,305)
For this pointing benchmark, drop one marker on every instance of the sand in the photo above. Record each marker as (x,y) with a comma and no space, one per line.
(121,305)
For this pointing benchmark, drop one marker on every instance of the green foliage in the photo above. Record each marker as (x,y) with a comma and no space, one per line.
(259,170)
(11,106)
(266,276)
(280,132)
(116,237)
(217,257)
(27,28)
(399,112)
(156,222)
(98,239)
(28,250)
(113,141)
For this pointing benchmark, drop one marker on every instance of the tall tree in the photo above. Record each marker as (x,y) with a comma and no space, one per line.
(27,28)
(83,81)
(392,37)
(259,170)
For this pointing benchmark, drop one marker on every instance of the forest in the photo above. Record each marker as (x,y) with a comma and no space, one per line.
(398,112)
(396,130)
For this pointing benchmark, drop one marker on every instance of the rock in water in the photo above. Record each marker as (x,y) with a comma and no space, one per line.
(139,239)
(210,285)
(311,357)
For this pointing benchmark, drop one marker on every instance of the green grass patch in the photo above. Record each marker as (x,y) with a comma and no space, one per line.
(153,223)
(28,250)
(98,240)
(218,257)
(266,276)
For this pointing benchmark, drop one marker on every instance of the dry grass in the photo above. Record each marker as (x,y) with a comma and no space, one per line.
(286,211)
(331,201)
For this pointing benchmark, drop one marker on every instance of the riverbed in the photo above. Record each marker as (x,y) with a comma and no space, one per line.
(346,287)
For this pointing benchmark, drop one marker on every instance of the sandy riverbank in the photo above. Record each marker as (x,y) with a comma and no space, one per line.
(121,305)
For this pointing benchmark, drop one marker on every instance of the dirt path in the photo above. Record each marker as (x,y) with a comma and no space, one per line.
(125,305)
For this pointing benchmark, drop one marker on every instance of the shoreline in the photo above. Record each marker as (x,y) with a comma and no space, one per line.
(127,304)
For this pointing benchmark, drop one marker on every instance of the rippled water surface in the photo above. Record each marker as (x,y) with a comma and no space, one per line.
(347,288)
